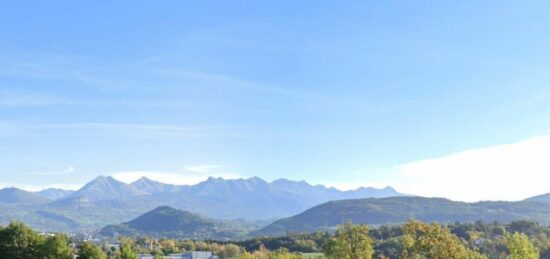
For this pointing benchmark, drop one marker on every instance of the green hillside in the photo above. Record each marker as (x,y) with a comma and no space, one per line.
(166,221)
(396,210)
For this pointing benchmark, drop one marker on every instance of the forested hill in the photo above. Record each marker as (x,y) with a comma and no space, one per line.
(166,221)
(395,210)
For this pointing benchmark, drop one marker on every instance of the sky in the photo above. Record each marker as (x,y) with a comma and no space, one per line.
(434,98)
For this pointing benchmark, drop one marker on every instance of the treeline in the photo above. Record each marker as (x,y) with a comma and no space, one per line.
(520,239)
(488,240)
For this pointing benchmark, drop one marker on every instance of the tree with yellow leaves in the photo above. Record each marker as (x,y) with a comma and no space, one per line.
(433,241)
(520,247)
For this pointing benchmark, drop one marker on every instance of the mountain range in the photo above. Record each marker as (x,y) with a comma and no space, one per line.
(105,201)
(224,209)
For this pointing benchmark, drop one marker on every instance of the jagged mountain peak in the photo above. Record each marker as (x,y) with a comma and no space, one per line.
(151,186)
(106,188)
(105,179)
(54,193)
(143,179)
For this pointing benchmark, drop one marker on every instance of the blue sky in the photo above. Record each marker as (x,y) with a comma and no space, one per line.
(344,94)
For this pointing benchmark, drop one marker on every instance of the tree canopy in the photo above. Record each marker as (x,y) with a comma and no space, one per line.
(520,247)
(433,241)
(88,250)
(350,242)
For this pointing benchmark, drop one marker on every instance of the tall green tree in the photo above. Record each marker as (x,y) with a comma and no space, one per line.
(433,241)
(17,241)
(56,247)
(126,252)
(87,250)
(350,242)
(519,247)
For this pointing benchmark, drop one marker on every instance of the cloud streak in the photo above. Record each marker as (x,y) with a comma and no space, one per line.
(25,99)
(68,170)
(203,168)
(503,172)
(129,130)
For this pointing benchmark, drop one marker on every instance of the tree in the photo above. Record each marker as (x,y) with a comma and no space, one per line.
(230,251)
(17,241)
(520,247)
(350,242)
(56,247)
(433,241)
(187,245)
(126,252)
(87,250)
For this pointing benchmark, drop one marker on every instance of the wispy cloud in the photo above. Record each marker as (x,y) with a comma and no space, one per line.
(504,172)
(68,170)
(203,168)
(129,130)
(224,81)
(18,99)
(153,78)
(56,67)
(347,186)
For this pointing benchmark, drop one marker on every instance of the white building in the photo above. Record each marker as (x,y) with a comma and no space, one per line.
(186,255)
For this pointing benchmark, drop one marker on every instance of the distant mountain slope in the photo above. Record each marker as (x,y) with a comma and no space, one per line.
(18,196)
(106,188)
(54,194)
(542,198)
(399,209)
(166,221)
(149,186)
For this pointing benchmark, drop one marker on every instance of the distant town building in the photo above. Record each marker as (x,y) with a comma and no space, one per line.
(186,255)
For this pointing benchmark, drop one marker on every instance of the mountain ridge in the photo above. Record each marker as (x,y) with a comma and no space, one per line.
(211,178)
(397,210)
